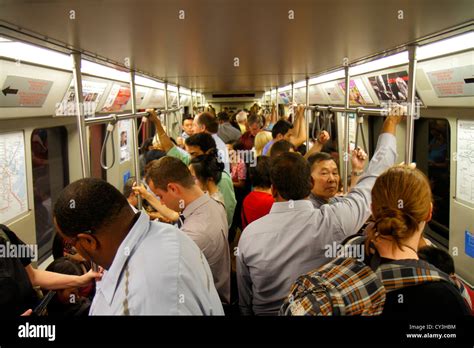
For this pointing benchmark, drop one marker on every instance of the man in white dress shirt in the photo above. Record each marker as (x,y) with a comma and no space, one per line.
(151,268)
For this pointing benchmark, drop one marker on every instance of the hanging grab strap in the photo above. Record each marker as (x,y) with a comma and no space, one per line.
(109,131)
(360,129)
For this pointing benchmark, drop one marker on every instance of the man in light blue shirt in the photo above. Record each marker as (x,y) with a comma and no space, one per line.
(151,268)
(293,238)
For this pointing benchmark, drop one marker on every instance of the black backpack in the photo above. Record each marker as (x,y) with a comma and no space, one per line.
(16,292)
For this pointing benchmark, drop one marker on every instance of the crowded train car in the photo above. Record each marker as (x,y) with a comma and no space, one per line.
(237,158)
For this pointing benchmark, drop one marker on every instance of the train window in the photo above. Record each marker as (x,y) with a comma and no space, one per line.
(431,153)
(50,176)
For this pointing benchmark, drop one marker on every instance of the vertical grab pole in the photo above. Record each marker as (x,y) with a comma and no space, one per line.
(411,103)
(192,104)
(136,163)
(292,93)
(276,103)
(166,108)
(180,114)
(81,127)
(345,171)
(307,114)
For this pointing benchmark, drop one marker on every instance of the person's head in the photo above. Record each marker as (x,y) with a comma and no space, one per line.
(147,145)
(260,174)
(281,146)
(64,265)
(187,125)
(255,124)
(154,155)
(241,117)
(223,117)
(170,179)
(325,174)
(206,169)
(261,140)
(291,177)
(281,130)
(199,144)
(128,192)
(94,217)
(205,122)
(401,204)
(438,258)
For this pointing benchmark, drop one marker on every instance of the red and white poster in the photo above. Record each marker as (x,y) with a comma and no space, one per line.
(454,82)
(24,91)
(117,99)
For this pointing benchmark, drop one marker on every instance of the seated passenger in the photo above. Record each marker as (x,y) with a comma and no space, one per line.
(67,302)
(275,249)
(281,146)
(444,262)
(258,202)
(325,174)
(142,258)
(203,219)
(197,144)
(18,278)
(294,133)
(207,172)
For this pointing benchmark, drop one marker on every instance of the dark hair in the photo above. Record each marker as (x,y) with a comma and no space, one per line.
(146,144)
(204,141)
(319,157)
(207,167)
(185,118)
(223,116)
(87,205)
(260,174)
(169,170)
(281,146)
(127,187)
(438,258)
(281,127)
(64,265)
(291,176)
(255,119)
(209,121)
(154,155)
(237,145)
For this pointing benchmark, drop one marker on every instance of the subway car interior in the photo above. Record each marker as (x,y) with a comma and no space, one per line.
(100,97)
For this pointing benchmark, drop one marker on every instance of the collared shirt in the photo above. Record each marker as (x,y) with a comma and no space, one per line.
(228,133)
(247,140)
(184,135)
(266,148)
(294,237)
(157,270)
(222,152)
(225,185)
(318,201)
(206,223)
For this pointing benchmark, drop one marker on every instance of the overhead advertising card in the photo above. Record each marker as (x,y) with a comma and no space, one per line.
(92,91)
(333,93)
(19,91)
(392,87)
(117,99)
(358,94)
(453,82)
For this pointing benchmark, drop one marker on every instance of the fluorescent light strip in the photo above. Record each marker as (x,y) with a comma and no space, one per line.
(22,52)
(300,84)
(454,44)
(145,81)
(379,64)
(336,75)
(184,91)
(172,88)
(284,89)
(91,68)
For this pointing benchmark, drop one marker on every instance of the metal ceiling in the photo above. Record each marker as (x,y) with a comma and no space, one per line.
(199,51)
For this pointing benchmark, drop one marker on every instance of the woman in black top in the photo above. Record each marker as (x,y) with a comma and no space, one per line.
(401,206)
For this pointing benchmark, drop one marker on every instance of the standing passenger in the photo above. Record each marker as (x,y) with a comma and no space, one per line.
(203,218)
(152,268)
(291,240)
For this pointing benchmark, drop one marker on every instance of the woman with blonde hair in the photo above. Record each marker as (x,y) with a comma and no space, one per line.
(261,139)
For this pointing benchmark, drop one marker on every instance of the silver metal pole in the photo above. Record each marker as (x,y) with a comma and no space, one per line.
(166,108)
(292,93)
(276,103)
(81,129)
(307,114)
(180,114)
(411,103)
(136,163)
(346,132)
(192,104)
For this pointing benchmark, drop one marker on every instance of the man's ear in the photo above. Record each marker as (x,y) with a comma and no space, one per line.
(87,241)
(174,188)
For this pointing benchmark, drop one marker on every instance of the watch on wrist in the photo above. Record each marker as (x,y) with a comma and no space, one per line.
(357,173)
